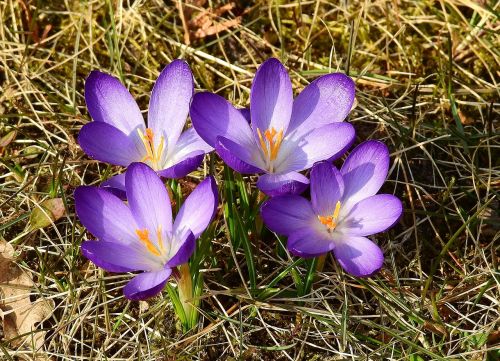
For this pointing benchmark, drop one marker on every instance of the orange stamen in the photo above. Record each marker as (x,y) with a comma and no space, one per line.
(331,221)
(143,235)
(152,154)
(272,142)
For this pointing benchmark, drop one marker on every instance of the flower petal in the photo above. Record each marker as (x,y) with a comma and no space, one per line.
(327,187)
(372,215)
(146,285)
(189,142)
(359,256)
(364,171)
(246,114)
(116,257)
(326,100)
(110,102)
(185,251)
(148,199)
(186,156)
(198,209)
(309,242)
(271,97)
(288,214)
(325,143)
(169,103)
(104,215)
(108,144)
(242,159)
(279,184)
(214,116)
(116,185)
(184,166)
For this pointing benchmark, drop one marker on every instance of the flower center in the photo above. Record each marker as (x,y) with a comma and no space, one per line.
(331,221)
(270,144)
(153,155)
(157,250)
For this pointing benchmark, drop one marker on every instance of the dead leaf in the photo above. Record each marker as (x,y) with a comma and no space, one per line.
(7,139)
(19,314)
(46,213)
(217,28)
(205,23)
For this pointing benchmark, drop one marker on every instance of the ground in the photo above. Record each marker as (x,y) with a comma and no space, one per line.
(426,75)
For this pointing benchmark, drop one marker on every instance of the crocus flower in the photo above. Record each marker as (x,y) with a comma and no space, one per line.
(285,135)
(119,136)
(140,236)
(343,210)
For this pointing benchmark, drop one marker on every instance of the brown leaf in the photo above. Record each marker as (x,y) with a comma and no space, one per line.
(7,138)
(204,23)
(18,313)
(217,28)
(46,213)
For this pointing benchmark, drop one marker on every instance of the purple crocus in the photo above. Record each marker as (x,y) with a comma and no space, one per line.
(140,236)
(285,135)
(119,136)
(343,210)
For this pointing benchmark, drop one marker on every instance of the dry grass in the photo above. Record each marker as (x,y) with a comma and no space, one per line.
(427,77)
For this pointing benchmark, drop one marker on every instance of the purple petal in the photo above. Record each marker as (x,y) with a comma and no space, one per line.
(104,215)
(146,285)
(372,215)
(148,199)
(116,185)
(242,159)
(110,102)
(246,114)
(364,171)
(271,97)
(327,187)
(309,242)
(190,142)
(169,103)
(198,209)
(214,116)
(288,214)
(326,100)
(359,256)
(108,144)
(279,184)
(325,143)
(185,251)
(116,257)
(185,166)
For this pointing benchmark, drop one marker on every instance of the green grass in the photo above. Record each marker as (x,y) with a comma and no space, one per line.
(427,78)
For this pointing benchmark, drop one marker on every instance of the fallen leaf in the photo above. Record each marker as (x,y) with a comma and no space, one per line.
(19,314)
(205,23)
(7,139)
(46,213)
(217,28)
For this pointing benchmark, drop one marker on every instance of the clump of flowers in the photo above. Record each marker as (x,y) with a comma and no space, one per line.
(278,137)
(285,136)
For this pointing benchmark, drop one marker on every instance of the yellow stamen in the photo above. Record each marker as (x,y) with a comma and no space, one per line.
(331,221)
(272,142)
(160,240)
(143,235)
(152,154)
(262,142)
(276,146)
